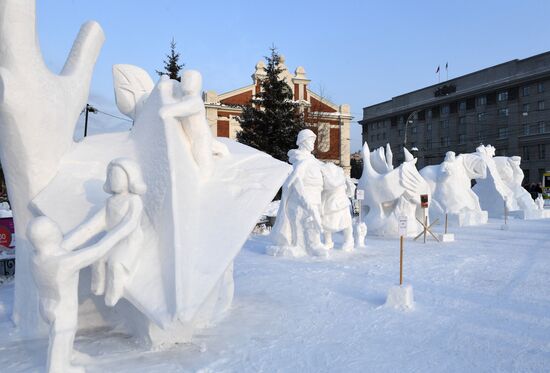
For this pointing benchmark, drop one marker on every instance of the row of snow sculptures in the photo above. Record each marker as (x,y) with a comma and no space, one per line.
(315,202)
(175,274)
(450,185)
(391,192)
(503,186)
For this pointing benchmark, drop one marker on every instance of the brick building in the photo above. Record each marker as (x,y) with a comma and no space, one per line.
(329,121)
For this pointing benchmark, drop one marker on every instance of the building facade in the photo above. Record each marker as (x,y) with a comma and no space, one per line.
(507,106)
(329,121)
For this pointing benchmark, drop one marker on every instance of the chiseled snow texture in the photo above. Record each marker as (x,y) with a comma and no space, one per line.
(482,304)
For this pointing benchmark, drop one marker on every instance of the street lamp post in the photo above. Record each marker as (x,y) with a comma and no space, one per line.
(409,120)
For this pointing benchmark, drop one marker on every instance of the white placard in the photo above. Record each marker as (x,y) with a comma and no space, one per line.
(360,194)
(402,225)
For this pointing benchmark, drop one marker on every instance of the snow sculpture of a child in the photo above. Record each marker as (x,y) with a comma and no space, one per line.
(336,215)
(55,266)
(189,109)
(126,186)
(298,226)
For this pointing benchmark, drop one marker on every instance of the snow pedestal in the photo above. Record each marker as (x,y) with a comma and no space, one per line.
(468,218)
(400,297)
(505,227)
(446,237)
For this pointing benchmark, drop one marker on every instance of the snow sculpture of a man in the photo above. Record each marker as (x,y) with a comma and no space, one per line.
(298,226)
(191,113)
(512,175)
(336,214)
(55,266)
(126,186)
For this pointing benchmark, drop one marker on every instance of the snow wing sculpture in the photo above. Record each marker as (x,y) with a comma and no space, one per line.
(450,185)
(390,193)
(298,226)
(182,277)
(503,185)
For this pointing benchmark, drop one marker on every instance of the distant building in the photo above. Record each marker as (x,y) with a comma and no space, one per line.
(329,121)
(507,106)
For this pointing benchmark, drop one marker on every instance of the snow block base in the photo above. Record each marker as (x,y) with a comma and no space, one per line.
(446,237)
(400,297)
(530,214)
(468,218)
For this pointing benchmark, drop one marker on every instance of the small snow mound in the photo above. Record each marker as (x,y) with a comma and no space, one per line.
(285,251)
(400,297)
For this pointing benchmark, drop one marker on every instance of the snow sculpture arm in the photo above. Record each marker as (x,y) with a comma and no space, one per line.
(85,257)
(189,105)
(313,213)
(84,232)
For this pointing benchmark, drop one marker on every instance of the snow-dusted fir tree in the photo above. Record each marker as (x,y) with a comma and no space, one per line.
(171,66)
(271,121)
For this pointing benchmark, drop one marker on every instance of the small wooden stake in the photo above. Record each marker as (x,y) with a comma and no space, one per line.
(401,262)
(505,213)
(425,224)
(446,223)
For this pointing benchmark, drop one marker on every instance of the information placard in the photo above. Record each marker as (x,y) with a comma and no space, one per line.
(402,225)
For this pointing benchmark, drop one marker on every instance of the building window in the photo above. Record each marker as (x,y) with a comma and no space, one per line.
(372,138)
(429,143)
(541,126)
(540,105)
(542,151)
(400,133)
(540,87)
(526,153)
(502,96)
(482,101)
(413,129)
(502,133)
(462,105)
(377,136)
(526,130)
(481,117)
(445,141)
(444,123)
(445,109)
(526,108)
(462,121)
(429,113)
(428,127)
(503,112)
(462,138)
(384,136)
(525,91)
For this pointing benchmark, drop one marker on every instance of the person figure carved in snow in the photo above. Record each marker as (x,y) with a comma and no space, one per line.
(126,186)
(189,109)
(55,267)
(298,226)
(336,213)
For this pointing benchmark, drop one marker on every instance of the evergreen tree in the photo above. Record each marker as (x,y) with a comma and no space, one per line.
(271,121)
(171,66)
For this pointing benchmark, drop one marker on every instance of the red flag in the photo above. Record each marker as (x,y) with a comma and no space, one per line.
(436,71)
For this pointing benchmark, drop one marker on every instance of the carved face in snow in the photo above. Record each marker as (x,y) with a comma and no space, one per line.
(449,167)
(333,176)
(117,179)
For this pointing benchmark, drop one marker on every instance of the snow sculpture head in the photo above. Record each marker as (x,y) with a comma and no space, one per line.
(124,175)
(306,140)
(191,82)
(44,235)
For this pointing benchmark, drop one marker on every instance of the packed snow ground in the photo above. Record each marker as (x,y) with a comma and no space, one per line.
(482,305)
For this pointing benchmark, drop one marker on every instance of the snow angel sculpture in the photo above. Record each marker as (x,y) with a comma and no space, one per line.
(298,226)
(55,267)
(126,186)
(336,215)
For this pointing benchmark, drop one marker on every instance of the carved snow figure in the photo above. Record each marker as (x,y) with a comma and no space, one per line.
(336,214)
(55,268)
(450,185)
(391,194)
(126,186)
(183,280)
(503,185)
(540,202)
(298,226)
(360,233)
(190,111)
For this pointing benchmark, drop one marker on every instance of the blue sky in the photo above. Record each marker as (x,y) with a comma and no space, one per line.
(356,52)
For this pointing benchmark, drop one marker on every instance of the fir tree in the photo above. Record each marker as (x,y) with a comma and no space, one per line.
(271,121)
(171,66)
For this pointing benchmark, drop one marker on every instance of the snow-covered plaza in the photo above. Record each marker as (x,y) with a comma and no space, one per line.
(482,304)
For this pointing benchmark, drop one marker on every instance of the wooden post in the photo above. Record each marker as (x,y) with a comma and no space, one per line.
(505,213)
(425,223)
(401,261)
(446,223)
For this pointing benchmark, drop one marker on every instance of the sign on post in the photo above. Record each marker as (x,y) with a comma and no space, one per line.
(402,225)
(424,201)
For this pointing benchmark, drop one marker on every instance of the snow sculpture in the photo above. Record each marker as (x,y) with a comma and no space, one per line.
(503,186)
(360,233)
(540,202)
(336,214)
(55,267)
(450,185)
(183,279)
(298,226)
(390,193)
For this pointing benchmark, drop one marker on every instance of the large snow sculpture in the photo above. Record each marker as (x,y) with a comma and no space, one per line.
(390,193)
(298,226)
(336,214)
(450,185)
(183,279)
(503,186)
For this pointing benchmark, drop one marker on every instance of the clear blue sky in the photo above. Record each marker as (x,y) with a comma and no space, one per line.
(357,52)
